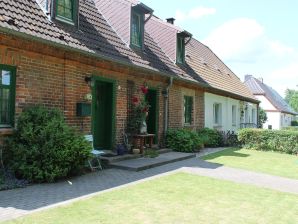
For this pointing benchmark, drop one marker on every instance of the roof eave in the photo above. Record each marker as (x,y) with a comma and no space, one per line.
(102,57)
(232,95)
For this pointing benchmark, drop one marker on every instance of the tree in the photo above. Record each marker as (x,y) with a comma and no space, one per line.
(262,117)
(292,98)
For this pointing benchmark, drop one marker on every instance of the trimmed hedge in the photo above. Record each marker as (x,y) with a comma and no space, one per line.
(211,137)
(44,148)
(269,140)
(294,128)
(183,140)
(294,123)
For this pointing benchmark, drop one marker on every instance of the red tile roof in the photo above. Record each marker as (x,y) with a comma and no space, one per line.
(101,32)
(260,88)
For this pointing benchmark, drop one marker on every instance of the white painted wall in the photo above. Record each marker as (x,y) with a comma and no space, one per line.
(273,120)
(265,103)
(278,120)
(226,112)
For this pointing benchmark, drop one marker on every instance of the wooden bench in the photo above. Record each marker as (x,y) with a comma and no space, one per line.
(141,139)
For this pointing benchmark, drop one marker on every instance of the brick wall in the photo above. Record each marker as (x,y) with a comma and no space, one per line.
(55,78)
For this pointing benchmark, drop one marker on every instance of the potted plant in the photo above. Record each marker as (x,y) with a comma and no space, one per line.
(140,108)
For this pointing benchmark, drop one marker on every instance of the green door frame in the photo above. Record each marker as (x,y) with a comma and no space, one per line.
(114,96)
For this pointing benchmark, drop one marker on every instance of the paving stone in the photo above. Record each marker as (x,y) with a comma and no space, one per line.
(18,202)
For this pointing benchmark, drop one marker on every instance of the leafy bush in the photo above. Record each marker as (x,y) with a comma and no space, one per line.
(183,140)
(270,140)
(44,148)
(294,128)
(211,137)
(294,123)
(232,139)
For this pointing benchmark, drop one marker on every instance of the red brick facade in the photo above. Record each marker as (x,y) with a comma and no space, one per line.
(55,78)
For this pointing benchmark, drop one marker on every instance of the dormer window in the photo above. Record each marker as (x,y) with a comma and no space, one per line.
(182,40)
(66,11)
(138,13)
(180,50)
(137,29)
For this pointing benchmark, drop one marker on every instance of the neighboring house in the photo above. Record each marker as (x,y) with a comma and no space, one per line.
(229,105)
(59,53)
(279,113)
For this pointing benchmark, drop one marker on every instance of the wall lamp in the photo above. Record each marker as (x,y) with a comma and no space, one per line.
(88,80)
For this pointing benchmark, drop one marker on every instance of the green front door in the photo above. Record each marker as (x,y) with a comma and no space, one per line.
(103,101)
(152,119)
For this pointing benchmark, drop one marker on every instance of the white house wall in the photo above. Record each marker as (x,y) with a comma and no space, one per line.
(265,103)
(273,120)
(278,120)
(226,112)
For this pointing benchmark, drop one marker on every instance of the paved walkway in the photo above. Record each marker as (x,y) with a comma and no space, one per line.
(17,202)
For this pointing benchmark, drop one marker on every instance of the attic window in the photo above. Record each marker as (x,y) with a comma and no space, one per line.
(66,11)
(180,49)
(183,39)
(137,29)
(138,13)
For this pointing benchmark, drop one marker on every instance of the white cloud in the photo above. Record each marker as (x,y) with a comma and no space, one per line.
(279,48)
(284,77)
(246,48)
(194,13)
(236,37)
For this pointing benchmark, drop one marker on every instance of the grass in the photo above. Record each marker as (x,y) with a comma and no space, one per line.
(178,198)
(266,162)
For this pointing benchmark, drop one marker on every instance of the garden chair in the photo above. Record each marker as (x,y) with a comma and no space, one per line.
(95,154)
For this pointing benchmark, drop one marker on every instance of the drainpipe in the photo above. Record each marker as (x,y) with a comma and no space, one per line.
(165,94)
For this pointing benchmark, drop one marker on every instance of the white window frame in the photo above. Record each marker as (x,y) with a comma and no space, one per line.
(217,121)
(234,115)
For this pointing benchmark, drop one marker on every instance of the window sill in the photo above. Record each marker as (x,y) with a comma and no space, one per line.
(65,20)
(6,131)
(190,126)
(218,127)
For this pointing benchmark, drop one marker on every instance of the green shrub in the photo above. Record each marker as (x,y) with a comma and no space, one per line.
(211,137)
(183,140)
(44,148)
(294,123)
(270,140)
(294,128)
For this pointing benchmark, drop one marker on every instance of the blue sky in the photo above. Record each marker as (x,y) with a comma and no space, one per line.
(251,37)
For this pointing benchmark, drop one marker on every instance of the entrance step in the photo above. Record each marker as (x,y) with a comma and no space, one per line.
(144,163)
(116,158)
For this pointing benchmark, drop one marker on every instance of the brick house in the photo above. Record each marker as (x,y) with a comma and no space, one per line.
(58,53)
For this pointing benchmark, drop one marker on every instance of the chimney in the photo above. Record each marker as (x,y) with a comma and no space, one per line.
(247,77)
(171,20)
(261,80)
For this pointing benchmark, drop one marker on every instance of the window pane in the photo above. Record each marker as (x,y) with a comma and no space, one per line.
(180,50)
(68,4)
(234,115)
(4,106)
(216,113)
(188,106)
(136,30)
(5,77)
(65,8)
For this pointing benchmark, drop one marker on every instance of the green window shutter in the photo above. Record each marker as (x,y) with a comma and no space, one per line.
(180,50)
(188,107)
(66,10)
(7,95)
(137,29)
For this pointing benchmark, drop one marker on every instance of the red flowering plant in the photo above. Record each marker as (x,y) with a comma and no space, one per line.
(139,109)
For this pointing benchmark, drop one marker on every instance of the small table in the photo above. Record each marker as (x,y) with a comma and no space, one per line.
(142,138)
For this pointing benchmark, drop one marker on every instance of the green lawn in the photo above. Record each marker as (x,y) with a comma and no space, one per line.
(178,198)
(266,162)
